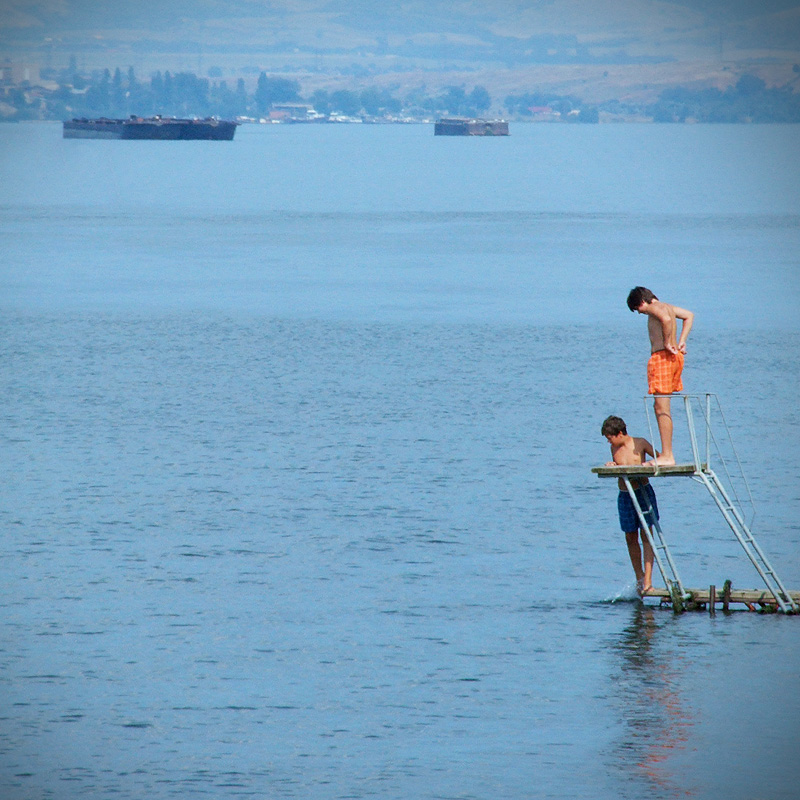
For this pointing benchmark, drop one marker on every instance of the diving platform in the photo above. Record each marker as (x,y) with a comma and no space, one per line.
(644,471)
(722,489)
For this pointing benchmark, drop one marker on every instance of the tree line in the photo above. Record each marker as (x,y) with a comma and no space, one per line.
(749,100)
(120,94)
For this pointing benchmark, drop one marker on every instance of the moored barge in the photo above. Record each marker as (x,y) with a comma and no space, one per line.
(168,128)
(462,126)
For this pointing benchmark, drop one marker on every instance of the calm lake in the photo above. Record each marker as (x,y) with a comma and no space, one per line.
(297,433)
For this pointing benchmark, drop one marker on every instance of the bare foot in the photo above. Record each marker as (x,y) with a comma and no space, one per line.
(646,589)
(661,461)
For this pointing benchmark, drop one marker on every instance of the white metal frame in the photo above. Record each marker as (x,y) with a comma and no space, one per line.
(727,501)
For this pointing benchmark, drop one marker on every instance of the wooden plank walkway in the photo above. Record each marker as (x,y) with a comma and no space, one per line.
(749,597)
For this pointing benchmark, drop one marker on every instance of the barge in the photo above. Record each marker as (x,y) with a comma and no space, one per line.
(462,126)
(169,128)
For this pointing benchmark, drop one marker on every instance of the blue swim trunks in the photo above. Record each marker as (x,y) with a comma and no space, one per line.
(628,518)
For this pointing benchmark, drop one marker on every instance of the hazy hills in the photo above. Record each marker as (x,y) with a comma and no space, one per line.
(606,45)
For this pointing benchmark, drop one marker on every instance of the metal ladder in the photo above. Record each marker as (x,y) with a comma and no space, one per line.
(730,509)
(669,572)
(734,518)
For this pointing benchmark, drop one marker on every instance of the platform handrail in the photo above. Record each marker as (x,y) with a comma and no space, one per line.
(731,482)
(704,403)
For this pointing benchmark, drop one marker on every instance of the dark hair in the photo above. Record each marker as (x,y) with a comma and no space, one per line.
(639,295)
(613,425)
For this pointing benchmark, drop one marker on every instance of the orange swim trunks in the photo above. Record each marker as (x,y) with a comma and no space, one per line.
(664,370)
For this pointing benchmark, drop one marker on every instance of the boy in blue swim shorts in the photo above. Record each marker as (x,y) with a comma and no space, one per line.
(633,450)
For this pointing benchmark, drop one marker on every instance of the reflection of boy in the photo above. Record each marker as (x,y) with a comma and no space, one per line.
(665,367)
(630,450)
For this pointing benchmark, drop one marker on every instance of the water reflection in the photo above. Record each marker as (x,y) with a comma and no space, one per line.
(655,721)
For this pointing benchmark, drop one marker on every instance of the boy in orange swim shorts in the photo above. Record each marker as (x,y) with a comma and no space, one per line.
(664,370)
(665,367)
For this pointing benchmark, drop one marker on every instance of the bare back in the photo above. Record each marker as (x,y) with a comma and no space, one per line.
(661,326)
(631,450)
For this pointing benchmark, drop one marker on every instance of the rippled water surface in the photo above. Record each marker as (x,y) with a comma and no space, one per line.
(296,439)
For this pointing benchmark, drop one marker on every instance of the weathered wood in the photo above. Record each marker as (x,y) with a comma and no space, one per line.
(677,600)
(712,600)
(644,470)
(746,596)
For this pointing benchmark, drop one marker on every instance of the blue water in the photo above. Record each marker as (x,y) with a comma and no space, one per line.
(296,437)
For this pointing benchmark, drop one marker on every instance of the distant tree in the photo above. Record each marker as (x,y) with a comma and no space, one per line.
(140,96)
(190,94)
(241,97)
(454,100)
(97,100)
(748,101)
(378,101)
(428,103)
(348,103)
(518,104)
(275,90)
(321,101)
(20,101)
(60,104)
(563,105)
(749,85)
(371,101)
(225,103)
(166,93)
(416,97)
(118,104)
(480,99)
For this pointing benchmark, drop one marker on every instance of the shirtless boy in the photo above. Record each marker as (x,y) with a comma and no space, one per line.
(633,450)
(665,367)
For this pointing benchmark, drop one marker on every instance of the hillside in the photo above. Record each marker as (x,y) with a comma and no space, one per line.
(601,49)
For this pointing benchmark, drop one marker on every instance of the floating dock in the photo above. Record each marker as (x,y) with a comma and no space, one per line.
(725,596)
(776,597)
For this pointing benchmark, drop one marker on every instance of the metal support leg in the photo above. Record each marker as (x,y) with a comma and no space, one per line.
(669,572)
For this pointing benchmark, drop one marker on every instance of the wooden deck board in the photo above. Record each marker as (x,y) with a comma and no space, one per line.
(620,470)
(757,596)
